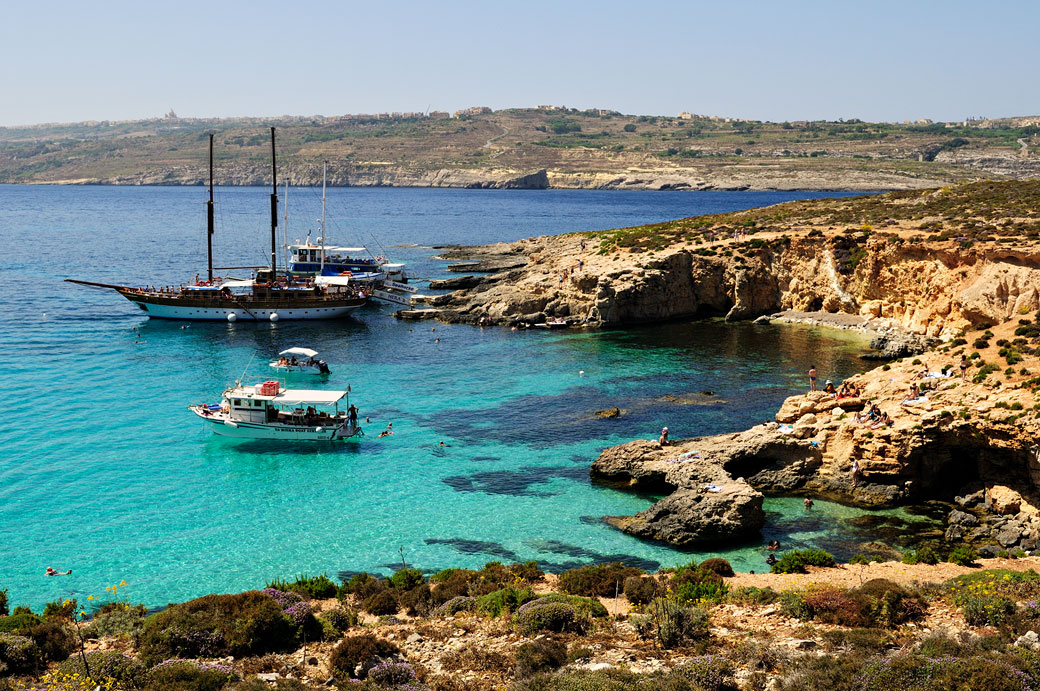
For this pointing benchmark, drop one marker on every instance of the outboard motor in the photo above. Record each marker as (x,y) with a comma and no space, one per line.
(322,367)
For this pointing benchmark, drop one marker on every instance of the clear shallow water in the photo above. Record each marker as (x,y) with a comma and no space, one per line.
(104,471)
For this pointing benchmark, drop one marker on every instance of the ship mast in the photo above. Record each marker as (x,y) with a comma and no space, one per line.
(274,209)
(324,167)
(209,213)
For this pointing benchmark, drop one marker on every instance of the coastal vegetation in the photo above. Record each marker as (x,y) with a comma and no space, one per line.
(853,627)
(575,148)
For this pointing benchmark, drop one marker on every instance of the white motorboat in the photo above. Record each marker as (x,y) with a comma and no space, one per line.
(270,411)
(300,361)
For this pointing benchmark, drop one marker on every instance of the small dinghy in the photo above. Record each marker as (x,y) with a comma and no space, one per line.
(300,361)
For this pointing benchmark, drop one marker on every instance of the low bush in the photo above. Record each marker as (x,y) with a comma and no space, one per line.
(597,579)
(878,603)
(406,579)
(242,624)
(542,655)
(585,608)
(921,555)
(797,560)
(392,675)
(861,640)
(185,675)
(3,603)
(987,610)
(65,609)
(916,671)
(455,605)
(107,664)
(418,601)
(753,595)
(314,587)
(354,656)
(642,589)
(123,621)
(362,586)
(965,555)
(692,584)
(54,638)
(672,624)
(19,654)
(382,602)
(503,600)
(20,621)
(717,566)
(450,584)
(341,619)
(537,616)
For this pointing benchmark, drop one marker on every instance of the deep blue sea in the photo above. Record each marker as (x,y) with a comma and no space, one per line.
(104,471)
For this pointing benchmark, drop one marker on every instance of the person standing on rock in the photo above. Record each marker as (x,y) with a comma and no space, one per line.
(812,378)
(964,366)
(855,471)
(663,441)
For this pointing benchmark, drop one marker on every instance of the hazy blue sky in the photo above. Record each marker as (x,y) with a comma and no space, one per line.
(65,61)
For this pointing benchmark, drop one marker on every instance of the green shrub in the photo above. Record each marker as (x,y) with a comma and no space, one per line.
(987,610)
(542,655)
(463,603)
(450,584)
(965,555)
(921,555)
(672,624)
(184,675)
(107,664)
(863,640)
(537,616)
(243,624)
(361,650)
(585,608)
(642,589)
(66,609)
(3,603)
(597,579)
(503,600)
(796,561)
(691,585)
(119,621)
(753,595)
(19,654)
(793,605)
(341,619)
(382,602)
(314,587)
(865,559)
(717,566)
(418,601)
(919,672)
(19,622)
(406,579)
(362,586)
(709,672)
(54,638)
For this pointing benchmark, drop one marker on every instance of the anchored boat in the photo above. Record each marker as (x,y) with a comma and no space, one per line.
(300,360)
(270,411)
(267,296)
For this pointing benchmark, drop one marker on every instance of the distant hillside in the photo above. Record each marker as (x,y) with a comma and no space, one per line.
(528,148)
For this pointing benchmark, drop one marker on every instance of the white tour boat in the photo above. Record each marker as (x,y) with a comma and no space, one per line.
(300,361)
(270,411)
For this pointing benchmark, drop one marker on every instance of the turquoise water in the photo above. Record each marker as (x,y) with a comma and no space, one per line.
(104,471)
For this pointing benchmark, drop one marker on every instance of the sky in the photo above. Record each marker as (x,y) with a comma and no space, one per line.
(878,61)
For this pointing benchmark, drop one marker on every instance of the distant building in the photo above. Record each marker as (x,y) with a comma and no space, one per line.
(474,110)
(439,115)
(923,121)
(686,116)
(552,108)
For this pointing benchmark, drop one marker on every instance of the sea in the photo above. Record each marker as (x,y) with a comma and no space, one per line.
(104,471)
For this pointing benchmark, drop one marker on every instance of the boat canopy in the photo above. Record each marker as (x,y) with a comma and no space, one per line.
(334,280)
(391,267)
(306,352)
(292,397)
(240,283)
(329,248)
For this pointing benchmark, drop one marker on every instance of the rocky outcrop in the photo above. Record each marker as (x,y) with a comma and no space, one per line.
(706,507)
(908,296)
(957,434)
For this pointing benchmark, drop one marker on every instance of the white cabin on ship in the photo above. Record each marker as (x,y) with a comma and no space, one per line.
(269,411)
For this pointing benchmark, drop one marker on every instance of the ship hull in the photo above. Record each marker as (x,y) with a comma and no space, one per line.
(218,309)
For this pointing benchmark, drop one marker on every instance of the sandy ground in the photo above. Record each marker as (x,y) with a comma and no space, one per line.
(852,575)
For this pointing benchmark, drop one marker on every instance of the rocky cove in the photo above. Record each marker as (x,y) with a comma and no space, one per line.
(930,285)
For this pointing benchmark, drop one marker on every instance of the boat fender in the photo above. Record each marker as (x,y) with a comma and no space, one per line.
(318,429)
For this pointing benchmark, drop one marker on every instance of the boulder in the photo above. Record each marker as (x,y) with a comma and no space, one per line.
(961,518)
(1003,500)
(692,517)
(1008,536)
(1029,640)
